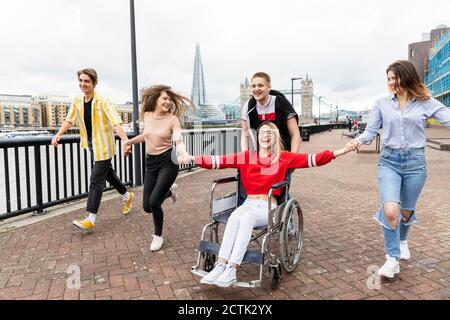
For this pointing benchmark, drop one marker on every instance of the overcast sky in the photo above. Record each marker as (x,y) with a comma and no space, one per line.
(345,46)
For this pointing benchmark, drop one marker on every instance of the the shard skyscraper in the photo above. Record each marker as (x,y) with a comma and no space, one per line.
(198,95)
(207,112)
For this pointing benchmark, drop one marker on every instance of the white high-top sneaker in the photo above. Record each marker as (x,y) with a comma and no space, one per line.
(390,268)
(219,268)
(227,278)
(404,250)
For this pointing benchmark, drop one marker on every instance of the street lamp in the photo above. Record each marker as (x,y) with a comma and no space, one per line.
(137,150)
(292,89)
(331,112)
(337,114)
(319,106)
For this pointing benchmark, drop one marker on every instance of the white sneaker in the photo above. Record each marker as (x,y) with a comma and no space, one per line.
(174,194)
(219,268)
(404,250)
(156,243)
(227,278)
(390,268)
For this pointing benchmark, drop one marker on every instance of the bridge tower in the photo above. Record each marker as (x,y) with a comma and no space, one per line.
(245,92)
(307,91)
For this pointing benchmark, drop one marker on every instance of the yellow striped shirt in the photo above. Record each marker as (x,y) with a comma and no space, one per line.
(104,118)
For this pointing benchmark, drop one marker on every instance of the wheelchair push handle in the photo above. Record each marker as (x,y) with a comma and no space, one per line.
(225,180)
(280,184)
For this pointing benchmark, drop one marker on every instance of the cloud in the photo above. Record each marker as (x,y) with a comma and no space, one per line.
(344,46)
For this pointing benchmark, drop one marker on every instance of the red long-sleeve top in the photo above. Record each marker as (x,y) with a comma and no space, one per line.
(259,174)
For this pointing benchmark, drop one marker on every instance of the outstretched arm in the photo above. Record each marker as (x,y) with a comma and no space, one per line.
(182,154)
(220,162)
(127,145)
(65,126)
(375,122)
(350,146)
(217,162)
(439,112)
(318,159)
(120,132)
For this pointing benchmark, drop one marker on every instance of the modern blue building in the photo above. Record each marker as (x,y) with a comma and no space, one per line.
(437,77)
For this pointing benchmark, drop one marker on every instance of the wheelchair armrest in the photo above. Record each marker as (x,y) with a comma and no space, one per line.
(225,180)
(280,184)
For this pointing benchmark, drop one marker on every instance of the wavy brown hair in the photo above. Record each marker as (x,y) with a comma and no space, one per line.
(180,103)
(408,79)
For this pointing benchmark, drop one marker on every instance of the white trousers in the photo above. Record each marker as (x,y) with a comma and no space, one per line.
(238,231)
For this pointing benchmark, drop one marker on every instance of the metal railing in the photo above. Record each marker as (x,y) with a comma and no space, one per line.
(309,129)
(35,176)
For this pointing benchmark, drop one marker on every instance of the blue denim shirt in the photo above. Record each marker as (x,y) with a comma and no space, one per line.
(403,130)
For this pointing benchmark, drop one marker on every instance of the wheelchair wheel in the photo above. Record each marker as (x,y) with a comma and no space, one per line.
(207,261)
(291,235)
(275,276)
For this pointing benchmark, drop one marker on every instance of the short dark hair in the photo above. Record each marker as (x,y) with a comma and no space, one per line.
(263,75)
(91,73)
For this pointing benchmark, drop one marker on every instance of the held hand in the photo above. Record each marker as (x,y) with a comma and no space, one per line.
(127,150)
(185,158)
(55,140)
(357,143)
(350,146)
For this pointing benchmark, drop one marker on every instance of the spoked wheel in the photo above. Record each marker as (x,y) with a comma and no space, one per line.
(207,261)
(291,235)
(275,276)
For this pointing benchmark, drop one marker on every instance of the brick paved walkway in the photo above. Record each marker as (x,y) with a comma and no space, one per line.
(341,242)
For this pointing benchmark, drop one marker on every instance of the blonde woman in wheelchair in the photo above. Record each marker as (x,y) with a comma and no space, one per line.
(259,171)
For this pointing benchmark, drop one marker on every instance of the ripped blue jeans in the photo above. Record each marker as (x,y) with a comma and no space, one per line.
(401,176)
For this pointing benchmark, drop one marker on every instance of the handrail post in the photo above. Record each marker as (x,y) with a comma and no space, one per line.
(38,171)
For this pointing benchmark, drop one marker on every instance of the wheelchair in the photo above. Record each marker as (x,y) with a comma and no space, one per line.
(280,242)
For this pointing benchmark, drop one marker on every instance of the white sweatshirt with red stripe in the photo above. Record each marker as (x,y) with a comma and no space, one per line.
(259,174)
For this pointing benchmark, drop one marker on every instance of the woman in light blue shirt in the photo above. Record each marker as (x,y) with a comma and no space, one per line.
(402,169)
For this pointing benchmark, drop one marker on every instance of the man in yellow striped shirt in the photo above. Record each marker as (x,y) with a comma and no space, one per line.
(97,120)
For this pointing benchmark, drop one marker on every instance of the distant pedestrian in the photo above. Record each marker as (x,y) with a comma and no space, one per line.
(162,108)
(350,123)
(97,120)
(402,169)
(355,124)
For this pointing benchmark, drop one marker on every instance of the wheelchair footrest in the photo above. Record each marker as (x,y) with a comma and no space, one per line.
(251,256)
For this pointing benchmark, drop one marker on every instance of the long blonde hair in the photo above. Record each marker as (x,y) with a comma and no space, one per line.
(279,146)
(180,103)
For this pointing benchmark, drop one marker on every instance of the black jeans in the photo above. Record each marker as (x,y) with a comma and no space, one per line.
(102,172)
(160,174)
